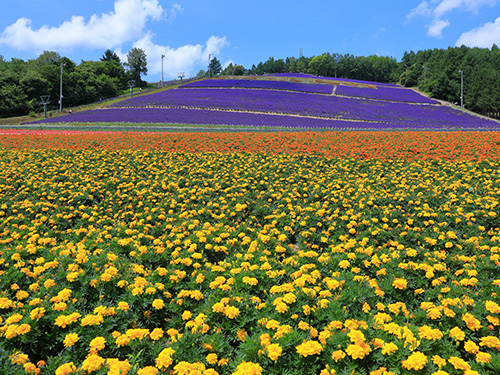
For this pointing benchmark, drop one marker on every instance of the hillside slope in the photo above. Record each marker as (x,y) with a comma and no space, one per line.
(286,101)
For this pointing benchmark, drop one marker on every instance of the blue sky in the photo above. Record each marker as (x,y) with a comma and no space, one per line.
(187,32)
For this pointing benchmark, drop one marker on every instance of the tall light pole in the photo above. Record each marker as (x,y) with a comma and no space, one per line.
(461,88)
(60,90)
(209,70)
(162,82)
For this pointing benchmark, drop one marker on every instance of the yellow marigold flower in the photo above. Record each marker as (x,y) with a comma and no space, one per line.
(308,348)
(148,370)
(223,362)
(70,339)
(211,358)
(434,313)
(66,369)
(281,307)
(472,323)
(492,307)
(428,333)
(117,367)
(122,340)
(137,333)
(231,312)
(399,283)
(123,306)
(416,361)
(304,325)
(358,351)
(356,336)
(389,348)
(248,368)
(65,320)
(23,329)
(457,334)
(366,307)
(328,371)
(440,372)
(156,334)
(439,361)
(471,347)
(344,264)
(241,334)
(92,363)
(459,363)
(97,343)
(13,319)
(337,355)
(490,342)
(274,351)
(250,280)
(289,298)
(19,358)
(483,357)
(164,359)
(91,320)
(265,339)
(158,304)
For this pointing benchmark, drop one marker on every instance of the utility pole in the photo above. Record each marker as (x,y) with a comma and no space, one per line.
(461,88)
(60,91)
(162,82)
(209,70)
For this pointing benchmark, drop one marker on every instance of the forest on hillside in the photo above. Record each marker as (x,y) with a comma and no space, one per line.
(22,83)
(436,72)
(439,72)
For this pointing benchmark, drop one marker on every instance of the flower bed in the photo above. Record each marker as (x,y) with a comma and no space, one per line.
(254,254)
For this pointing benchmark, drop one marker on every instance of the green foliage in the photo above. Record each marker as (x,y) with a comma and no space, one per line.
(214,67)
(23,82)
(137,65)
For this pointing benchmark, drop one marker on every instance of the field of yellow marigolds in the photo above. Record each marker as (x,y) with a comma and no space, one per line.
(367,253)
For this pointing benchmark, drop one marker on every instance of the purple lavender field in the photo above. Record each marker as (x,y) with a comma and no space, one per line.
(398,94)
(265,103)
(261,84)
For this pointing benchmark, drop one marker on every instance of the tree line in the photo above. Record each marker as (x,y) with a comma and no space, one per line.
(22,83)
(441,73)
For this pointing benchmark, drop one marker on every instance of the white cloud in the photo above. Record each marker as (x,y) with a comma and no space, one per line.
(483,36)
(182,59)
(125,24)
(176,8)
(435,29)
(446,6)
(423,9)
(436,9)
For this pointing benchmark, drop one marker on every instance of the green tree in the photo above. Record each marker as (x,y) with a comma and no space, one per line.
(214,67)
(137,65)
(228,71)
(110,55)
(238,70)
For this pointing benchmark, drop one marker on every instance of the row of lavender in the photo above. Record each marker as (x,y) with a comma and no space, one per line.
(231,119)
(346,80)
(327,106)
(261,84)
(381,92)
(398,94)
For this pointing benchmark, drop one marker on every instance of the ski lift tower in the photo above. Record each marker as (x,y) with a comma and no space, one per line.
(45,100)
(131,84)
(181,75)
